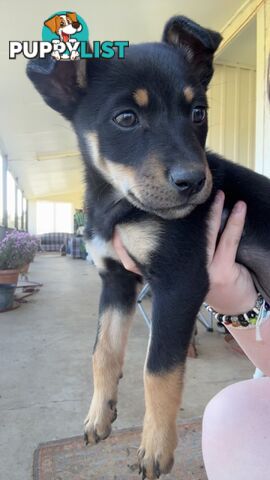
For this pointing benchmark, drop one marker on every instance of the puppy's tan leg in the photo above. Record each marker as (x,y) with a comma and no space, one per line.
(107,361)
(116,311)
(162,399)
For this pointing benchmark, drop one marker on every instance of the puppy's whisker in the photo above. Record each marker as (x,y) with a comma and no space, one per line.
(136,185)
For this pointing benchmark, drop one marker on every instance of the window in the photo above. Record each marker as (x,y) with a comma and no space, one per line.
(63,213)
(11,188)
(13,206)
(54,217)
(45,222)
(24,214)
(19,209)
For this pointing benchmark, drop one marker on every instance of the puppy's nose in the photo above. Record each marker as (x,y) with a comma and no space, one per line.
(187,182)
(75,24)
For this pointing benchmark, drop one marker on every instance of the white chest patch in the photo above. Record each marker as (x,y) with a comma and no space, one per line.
(140,239)
(100,249)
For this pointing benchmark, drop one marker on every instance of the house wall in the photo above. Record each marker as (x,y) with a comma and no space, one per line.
(232,112)
(263,89)
(260,11)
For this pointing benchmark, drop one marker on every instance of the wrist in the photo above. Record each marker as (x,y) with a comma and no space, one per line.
(252,317)
(230,301)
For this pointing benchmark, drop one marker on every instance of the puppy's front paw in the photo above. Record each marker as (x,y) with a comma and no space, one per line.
(101,415)
(155,454)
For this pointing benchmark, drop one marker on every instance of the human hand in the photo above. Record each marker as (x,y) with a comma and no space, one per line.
(232,290)
(123,255)
(231,287)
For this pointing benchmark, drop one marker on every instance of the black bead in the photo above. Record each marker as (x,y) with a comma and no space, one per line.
(244,322)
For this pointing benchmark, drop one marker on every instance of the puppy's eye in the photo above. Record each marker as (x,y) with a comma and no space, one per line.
(126,119)
(198,114)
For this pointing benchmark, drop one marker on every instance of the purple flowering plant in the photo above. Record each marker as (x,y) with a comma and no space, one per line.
(17,249)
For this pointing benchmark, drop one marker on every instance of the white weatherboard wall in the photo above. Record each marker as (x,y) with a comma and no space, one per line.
(263,89)
(260,11)
(232,113)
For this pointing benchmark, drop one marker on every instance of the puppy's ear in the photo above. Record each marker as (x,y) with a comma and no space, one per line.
(72,16)
(51,23)
(62,83)
(199,44)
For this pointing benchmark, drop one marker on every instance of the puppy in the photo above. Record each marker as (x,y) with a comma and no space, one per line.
(141,124)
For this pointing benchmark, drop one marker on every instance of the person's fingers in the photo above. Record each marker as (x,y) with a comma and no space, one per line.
(128,263)
(228,244)
(214,224)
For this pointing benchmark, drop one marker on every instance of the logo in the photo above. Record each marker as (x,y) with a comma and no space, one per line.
(65,37)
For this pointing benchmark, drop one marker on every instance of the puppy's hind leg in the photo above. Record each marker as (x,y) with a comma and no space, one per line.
(117,304)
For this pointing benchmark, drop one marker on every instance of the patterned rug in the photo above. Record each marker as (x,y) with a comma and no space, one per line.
(116,457)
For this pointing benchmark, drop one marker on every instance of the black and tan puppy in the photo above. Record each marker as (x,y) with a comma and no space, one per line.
(142,124)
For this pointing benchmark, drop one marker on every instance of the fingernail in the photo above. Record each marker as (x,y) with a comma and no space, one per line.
(238,207)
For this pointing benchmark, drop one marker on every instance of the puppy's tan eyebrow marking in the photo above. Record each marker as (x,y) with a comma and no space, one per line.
(141,97)
(188,93)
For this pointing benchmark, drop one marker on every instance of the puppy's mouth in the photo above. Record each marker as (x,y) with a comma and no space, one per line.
(166,202)
(65,37)
(174,211)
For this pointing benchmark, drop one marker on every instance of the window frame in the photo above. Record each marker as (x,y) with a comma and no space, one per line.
(20,224)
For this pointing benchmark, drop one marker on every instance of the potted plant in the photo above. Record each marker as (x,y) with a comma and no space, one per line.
(17,249)
(31,246)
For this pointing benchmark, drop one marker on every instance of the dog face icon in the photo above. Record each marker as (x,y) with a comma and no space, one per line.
(64,25)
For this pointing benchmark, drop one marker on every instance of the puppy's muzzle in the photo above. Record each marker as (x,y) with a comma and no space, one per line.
(187,182)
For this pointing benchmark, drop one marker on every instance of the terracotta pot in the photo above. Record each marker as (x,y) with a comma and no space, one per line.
(25,268)
(9,276)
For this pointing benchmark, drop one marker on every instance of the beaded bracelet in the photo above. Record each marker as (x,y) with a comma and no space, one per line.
(244,319)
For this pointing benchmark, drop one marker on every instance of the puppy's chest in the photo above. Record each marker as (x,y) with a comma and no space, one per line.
(141,240)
